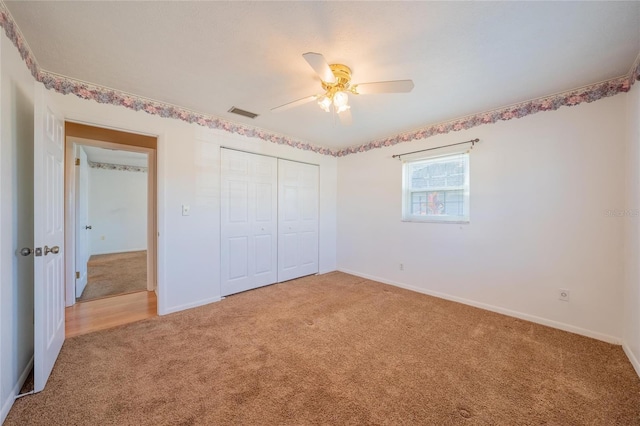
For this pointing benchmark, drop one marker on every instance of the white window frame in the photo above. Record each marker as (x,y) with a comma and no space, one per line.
(407,191)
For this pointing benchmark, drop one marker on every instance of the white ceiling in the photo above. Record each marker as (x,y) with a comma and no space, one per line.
(464,57)
(113,156)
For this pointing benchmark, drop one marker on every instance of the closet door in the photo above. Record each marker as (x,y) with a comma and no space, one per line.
(249,194)
(298,194)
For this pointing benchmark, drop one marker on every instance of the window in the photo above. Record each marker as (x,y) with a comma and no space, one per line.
(436,189)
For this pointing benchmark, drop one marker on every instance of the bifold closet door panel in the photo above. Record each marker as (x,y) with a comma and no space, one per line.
(249,202)
(298,211)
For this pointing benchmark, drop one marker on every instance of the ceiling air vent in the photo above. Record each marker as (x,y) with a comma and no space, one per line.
(242,112)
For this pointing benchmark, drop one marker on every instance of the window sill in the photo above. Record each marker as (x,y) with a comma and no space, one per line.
(453,222)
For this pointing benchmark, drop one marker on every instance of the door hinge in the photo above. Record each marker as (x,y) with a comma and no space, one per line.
(77,275)
(77,161)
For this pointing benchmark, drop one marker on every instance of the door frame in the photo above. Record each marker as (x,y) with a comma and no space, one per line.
(91,135)
(79,153)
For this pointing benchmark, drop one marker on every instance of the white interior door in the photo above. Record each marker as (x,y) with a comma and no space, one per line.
(298,211)
(48,235)
(249,188)
(82,221)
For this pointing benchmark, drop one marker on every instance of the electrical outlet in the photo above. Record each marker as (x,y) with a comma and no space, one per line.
(402,266)
(186,209)
(563,294)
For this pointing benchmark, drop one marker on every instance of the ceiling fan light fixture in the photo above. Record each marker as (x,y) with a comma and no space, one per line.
(340,99)
(325,103)
(335,80)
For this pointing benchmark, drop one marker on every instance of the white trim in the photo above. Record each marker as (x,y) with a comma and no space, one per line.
(179,308)
(415,219)
(3,237)
(8,403)
(504,311)
(632,357)
(6,407)
(23,376)
(161,208)
(69,223)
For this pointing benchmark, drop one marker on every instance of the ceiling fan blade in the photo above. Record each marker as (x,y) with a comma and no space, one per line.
(320,66)
(294,103)
(396,86)
(345,117)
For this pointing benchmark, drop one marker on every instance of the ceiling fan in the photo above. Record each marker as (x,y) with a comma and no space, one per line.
(336,83)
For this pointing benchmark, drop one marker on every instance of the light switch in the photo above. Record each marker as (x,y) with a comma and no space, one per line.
(186,210)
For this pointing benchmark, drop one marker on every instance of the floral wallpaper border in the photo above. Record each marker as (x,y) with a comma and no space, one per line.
(103,95)
(66,85)
(571,98)
(119,167)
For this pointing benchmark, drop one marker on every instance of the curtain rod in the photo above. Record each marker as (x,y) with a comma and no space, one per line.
(472,142)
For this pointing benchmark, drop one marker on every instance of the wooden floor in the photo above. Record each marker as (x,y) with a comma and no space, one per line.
(100,314)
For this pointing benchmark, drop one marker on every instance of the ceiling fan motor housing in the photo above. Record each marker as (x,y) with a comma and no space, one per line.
(342,74)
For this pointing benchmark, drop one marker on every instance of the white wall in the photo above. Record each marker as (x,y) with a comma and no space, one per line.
(117,211)
(16,223)
(631,319)
(540,186)
(188,173)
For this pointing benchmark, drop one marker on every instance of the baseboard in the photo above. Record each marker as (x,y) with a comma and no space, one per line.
(504,311)
(188,305)
(6,406)
(118,251)
(8,403)
(24,375)
(82,285)
(632,357)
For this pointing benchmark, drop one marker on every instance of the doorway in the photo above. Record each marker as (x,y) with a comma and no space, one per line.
(110,218)
(111,214)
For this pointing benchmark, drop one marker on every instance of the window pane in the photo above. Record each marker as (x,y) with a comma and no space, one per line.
(441,173)
(418,179)
(419,203)
(454,203)
(438,203)
(435,202)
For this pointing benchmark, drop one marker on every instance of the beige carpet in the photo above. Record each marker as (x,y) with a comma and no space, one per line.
(336,350)
(116,273)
